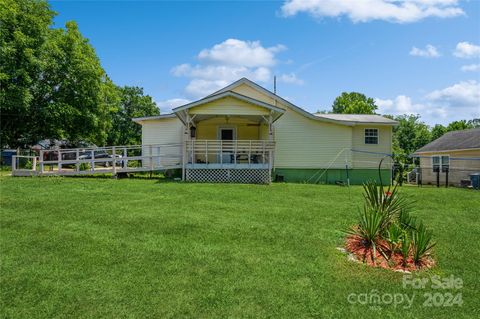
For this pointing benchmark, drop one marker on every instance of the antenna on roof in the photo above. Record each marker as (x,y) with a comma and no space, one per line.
(275,84)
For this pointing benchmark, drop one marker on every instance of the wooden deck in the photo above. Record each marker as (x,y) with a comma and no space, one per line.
(101,160)
(204,160)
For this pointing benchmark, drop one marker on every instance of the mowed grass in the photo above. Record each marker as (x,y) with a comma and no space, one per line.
(136,248)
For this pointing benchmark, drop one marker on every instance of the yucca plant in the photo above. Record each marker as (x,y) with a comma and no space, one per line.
(406,221)
(394,236)
(422,243)
(369,229)
(405,248)
(388,202)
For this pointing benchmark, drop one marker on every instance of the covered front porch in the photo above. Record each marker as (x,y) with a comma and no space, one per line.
(228,138)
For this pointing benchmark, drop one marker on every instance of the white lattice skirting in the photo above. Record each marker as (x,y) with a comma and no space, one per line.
(225,175)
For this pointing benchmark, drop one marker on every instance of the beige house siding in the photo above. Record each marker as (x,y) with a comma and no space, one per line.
(459,169)
(367,160)
(305,143)
(301,142)
(163,131)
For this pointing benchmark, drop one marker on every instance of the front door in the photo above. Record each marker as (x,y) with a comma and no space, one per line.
(227,134)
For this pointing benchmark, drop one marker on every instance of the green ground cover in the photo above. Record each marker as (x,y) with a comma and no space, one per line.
(98,247)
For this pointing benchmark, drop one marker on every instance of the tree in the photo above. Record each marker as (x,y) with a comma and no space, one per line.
(133,103)
(354,103)
(69,100)
(475,123)
(410,134)
(24,29)
(459,125)
(437,131)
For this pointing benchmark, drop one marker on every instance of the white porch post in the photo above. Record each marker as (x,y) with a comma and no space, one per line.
(270,138)
(185,141)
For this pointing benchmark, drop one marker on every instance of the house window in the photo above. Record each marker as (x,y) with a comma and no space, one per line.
(442,162)
(371,136)
(435,163)
(445,163)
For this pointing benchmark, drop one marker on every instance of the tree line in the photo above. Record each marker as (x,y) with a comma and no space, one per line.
(52,85)
(410,134)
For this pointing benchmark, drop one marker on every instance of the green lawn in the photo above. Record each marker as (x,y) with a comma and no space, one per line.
(85,247)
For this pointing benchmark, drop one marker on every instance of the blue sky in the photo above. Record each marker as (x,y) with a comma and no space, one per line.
(419,56)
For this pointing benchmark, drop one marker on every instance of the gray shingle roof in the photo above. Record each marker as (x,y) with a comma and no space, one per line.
(358,118)
(455,140)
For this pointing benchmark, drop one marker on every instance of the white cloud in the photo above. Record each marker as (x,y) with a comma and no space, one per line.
(456,102)
(167,105)
(429,52)
(399,11)
(471,68)
(227,62)
(290,78)
(402,104)
(462,94)
(467,50)
(241,53)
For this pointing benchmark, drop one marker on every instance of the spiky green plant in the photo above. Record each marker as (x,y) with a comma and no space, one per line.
(406,221)
(369,229)
(394,236)
(386,201)
(405,248)
(422,242)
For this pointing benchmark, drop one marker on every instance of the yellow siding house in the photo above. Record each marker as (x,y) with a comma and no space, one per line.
(245,133)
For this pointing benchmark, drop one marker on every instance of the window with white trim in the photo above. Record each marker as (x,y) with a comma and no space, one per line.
(371,136)
(445,163)
(435,163)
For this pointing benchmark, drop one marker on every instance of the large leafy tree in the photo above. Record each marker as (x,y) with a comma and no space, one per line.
(70,101)
(133,103)
(354,103)
(24,31)
(410,134)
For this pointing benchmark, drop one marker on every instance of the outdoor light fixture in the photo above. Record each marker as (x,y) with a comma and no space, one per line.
(193,131)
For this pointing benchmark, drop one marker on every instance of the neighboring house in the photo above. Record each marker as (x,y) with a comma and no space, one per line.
(245,133)
(456,151)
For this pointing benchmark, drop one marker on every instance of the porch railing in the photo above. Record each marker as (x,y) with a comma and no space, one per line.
(232,152)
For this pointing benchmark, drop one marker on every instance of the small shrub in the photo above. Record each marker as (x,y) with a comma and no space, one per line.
(387,201)
(369,229)
(405,248)
(387,229)
(394,237)
(28,165)
(422,243)
(134,163)
(406,221)
(85,166)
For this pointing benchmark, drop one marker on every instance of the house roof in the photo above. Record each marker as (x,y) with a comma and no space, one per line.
(455,140)
(156,117)
(338,118)
(358,118)
(343,119)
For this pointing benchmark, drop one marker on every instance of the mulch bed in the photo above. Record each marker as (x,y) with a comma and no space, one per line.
(356,246)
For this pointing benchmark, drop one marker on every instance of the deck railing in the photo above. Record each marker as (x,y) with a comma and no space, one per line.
(113,159)
(232,152)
